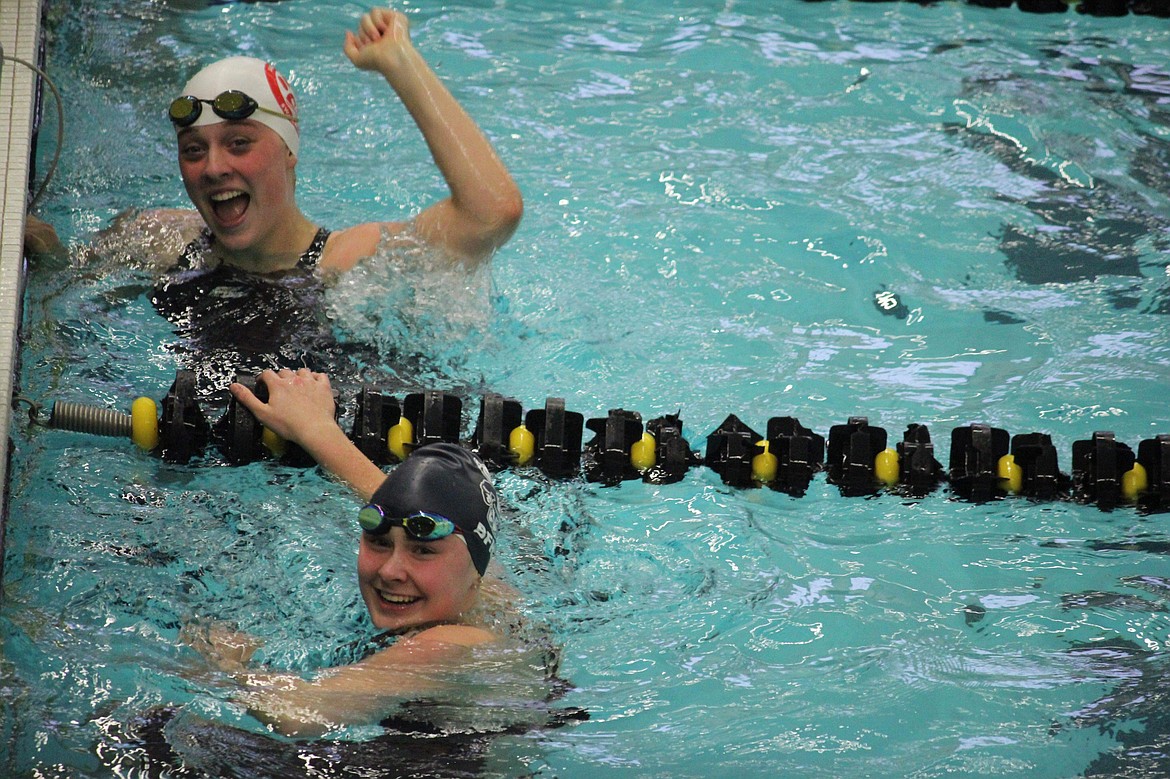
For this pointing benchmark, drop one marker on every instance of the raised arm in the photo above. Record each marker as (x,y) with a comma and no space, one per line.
(300,409)
(485,205)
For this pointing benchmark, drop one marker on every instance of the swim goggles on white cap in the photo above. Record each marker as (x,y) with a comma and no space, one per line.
(239,88)
(232,105)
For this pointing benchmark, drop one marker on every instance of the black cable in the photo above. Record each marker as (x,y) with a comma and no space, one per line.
(60,125)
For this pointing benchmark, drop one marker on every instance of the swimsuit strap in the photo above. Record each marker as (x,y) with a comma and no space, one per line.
(194,252)
(312,255)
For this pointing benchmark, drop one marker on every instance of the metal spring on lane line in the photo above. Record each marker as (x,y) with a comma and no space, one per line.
(81,418)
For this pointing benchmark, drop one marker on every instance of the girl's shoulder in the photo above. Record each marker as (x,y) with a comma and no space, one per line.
(347,247)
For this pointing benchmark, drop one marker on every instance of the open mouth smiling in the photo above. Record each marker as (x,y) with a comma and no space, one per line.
(229,207)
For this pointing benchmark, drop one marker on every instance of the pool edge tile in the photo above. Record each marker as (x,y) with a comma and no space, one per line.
(19,33)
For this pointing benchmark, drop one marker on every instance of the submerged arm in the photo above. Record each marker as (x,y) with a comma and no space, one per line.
(358,694)
(365,692)
(485,205)
(153,239)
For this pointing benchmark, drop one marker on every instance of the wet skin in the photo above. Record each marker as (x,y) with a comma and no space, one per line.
(240,177)
(407,584)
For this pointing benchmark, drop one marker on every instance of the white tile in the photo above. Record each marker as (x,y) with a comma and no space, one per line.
(18,34)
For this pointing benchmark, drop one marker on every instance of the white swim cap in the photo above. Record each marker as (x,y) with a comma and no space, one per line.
(258,80)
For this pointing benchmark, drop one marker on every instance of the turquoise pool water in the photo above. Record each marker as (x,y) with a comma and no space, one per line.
(715,194)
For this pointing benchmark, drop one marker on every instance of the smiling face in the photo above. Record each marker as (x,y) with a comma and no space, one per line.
(408,584)
(240,177)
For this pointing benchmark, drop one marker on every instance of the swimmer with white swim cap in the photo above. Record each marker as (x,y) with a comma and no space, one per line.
(238,88)
(239,140)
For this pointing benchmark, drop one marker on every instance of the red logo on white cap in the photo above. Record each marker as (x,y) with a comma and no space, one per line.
(281,92)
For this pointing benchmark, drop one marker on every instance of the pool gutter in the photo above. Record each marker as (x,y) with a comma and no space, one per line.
(20,33)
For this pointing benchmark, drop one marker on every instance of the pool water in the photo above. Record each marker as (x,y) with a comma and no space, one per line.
(716,194)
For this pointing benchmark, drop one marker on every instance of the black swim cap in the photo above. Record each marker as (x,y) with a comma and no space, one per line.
(448,480)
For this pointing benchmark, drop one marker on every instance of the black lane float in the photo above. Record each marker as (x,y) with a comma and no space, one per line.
(985,462)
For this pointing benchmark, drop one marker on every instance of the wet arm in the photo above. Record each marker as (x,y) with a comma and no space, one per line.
(154,238)
(362,693)
(300,409)
(485,205)
(151,239)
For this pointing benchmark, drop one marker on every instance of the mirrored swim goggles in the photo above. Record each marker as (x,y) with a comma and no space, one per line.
(420,526)
(232,105)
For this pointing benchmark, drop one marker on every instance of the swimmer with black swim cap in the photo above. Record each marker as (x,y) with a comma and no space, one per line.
(439,482)
(428,533)
(438,506)
(427,537)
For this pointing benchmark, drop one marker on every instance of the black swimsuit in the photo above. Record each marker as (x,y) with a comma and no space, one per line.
(194,253)
(231,321)
(414,742)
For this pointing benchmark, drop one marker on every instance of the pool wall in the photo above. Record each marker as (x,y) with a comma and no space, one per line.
(20,22)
